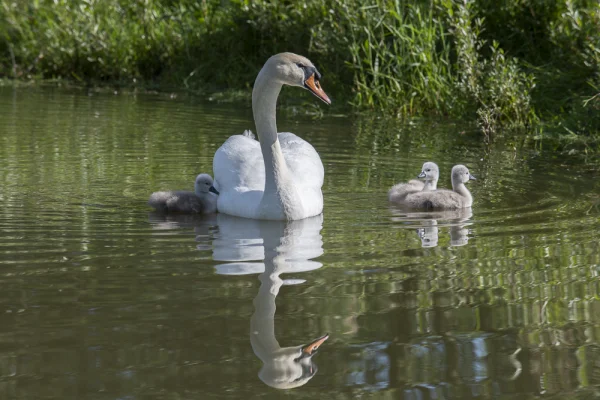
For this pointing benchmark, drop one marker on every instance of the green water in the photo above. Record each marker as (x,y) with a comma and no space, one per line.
(102,299)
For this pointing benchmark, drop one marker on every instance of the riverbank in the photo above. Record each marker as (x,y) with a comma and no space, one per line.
(531,68)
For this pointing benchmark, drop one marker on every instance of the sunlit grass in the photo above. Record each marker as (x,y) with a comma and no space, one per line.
(509,65)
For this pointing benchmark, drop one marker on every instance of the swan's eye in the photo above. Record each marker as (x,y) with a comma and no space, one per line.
(300,65)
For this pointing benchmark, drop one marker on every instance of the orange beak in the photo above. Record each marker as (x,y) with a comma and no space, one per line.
(315,88)
(310,348)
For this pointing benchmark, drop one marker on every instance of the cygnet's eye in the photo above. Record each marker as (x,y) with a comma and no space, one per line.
(427,170)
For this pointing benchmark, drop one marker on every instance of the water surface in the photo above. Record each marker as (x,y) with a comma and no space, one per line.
(103,299)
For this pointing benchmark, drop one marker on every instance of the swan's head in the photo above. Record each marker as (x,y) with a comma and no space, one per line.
(291,367)
(430,172)
(310,349)
(204,184)
(295,70)
(460,174)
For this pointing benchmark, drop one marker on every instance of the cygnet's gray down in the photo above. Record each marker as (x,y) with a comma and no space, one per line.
(441,199)
(202,201)
(430,174)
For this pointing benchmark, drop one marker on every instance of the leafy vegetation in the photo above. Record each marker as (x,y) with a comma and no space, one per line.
(531,65)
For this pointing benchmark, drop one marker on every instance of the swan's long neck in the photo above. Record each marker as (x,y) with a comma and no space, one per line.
(461,189)
(264,103)
(262,323)
(279,189)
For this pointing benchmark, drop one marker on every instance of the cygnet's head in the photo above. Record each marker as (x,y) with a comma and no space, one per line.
(295,70)
(460,174)
(204,184)
(430,172)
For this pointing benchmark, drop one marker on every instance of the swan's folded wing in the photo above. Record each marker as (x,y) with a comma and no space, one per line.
(303,161)
(238,165)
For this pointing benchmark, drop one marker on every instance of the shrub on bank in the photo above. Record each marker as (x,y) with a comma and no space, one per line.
(504,64)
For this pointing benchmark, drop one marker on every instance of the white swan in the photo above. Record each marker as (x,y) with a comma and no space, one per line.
(203,200)
(279,177)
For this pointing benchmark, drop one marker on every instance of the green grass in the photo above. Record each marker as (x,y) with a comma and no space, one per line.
(526,66)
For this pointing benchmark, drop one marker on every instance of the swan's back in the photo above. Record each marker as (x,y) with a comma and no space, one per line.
(437,199)
(302,160)
(238,165)
(178,201)
(239,171)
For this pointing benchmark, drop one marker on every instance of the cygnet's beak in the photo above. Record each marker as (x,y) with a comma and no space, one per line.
(471,177)
(311,348)
(212,189)
(422,175)
(315,87)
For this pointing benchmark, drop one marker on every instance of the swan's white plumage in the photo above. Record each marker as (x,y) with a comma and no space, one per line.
(240,174)
(278,177)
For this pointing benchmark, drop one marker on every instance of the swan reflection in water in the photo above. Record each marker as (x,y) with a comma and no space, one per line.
(268,248)
(428,232)
(272,248)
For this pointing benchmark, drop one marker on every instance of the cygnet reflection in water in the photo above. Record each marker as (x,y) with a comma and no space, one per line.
(272,248)
(204,226)
(203,200)
(164,222)
(428,233)
(432,222)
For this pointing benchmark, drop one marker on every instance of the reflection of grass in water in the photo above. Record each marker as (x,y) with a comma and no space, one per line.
(595,204)
(536,290)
